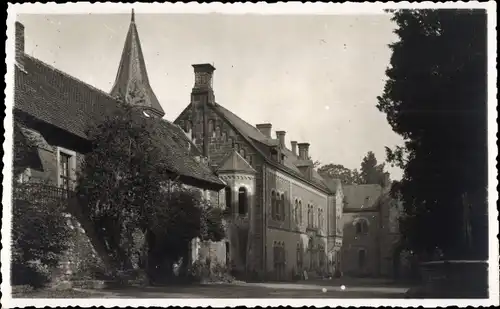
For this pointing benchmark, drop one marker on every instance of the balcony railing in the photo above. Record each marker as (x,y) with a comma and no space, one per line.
(37,192)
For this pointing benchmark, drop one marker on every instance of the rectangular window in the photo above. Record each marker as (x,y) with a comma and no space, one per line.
(64,170)
(361,258)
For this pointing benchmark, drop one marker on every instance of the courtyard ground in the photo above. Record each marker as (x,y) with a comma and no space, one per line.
(353,288)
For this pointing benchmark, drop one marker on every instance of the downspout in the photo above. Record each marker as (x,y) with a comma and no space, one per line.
(264,218)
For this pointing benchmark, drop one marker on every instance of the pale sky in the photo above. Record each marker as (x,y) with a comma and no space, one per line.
(315,77)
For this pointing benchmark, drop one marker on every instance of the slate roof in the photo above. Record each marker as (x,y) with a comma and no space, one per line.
(132,82)
(264,143)
(63,101)
(234,162)
(57,98)
(362,197)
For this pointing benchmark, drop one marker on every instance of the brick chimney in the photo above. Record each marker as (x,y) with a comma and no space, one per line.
(203,81)
(280,135)
(303,151)
(265,128)
(19,43)
(202,95)
(294,147)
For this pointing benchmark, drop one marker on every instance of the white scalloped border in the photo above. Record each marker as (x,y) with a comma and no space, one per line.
(245,8)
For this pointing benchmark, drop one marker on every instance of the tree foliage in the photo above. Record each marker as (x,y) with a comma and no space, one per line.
(370,172)
(435,98)
(127,186)
(338,171)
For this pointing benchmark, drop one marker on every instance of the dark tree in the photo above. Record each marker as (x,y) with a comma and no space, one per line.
(371,172)
(436,99)
(126,188)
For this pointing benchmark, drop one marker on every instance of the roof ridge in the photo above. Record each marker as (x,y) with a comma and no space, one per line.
(223,112)
(71,77)
(247,123)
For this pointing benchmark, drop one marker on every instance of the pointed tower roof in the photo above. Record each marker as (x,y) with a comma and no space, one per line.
(235,163)
(132,82)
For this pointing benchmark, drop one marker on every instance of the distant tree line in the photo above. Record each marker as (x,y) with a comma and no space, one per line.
(370,172)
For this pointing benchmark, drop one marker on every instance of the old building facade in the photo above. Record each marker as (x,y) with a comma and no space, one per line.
(371,232)
(290,212)
(282,217)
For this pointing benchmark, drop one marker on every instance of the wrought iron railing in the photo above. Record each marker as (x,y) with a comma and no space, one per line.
(40,192)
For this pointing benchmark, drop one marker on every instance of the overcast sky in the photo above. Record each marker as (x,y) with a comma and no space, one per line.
(315,77)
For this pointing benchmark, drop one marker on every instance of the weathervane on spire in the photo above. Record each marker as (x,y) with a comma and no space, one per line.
(132,19)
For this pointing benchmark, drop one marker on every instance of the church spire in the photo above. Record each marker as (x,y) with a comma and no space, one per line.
(132,82)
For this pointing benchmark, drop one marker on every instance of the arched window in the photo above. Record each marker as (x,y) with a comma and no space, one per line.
(242,201)
(299,257)
(275,255)
(273,205)
(300,213)
(320,218)
(296,211)
(282,207)
(311,253)
(217,132)
(361,227)
(277,206)
(236,147)
(310,215)
(361,258)
(358,227)
(242,152)
(210,126)
(321,256)
(229,199)
(224,136)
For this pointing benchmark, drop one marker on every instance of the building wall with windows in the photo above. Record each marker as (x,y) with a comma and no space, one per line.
(297,224)
(370,233)
(292,209)
(58,161)
(239,215)
(360,249)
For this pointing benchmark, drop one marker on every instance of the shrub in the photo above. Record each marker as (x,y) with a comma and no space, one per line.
(200,271)
(39,239)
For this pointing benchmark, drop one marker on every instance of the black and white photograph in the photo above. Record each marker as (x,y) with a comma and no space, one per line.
(250,154)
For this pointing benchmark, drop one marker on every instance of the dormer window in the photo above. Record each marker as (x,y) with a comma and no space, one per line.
(274,154)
